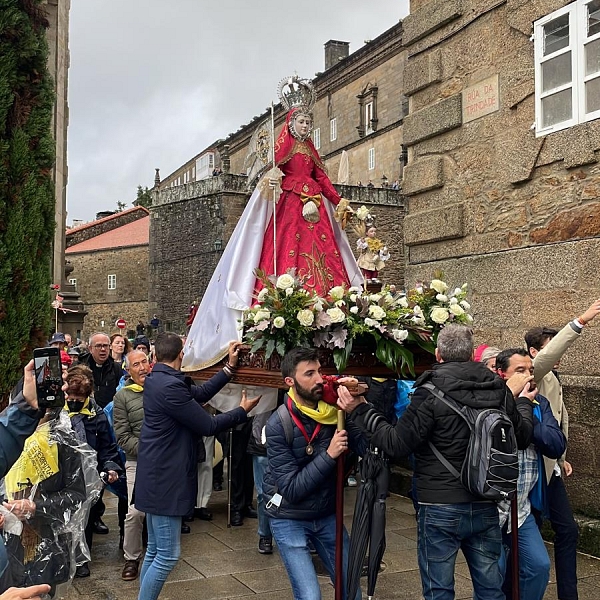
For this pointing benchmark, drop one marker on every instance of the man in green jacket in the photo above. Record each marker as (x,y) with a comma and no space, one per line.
(128,416)
(546,347)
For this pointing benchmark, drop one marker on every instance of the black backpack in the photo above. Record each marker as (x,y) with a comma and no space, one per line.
(491,465)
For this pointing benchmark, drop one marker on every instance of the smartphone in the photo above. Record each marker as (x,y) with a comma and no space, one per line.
(48,377)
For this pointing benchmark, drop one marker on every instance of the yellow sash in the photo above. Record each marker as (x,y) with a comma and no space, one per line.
(325,414)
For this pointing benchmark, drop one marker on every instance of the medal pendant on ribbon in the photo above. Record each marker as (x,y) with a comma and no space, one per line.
(309,449)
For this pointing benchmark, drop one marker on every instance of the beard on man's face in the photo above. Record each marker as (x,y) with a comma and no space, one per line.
(312,395)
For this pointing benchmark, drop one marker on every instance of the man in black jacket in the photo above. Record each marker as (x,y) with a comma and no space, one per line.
(450,517)
(107,374)
(300,481)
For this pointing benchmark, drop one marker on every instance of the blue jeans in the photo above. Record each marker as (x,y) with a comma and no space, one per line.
(291,536)
(472,527)
(534,562)
(259,465)
(162,554)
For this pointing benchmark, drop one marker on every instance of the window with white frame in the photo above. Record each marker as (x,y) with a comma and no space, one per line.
(112,282)
(371,159)
(369,117)
(73,282)
(333,130)
(316,135)
(567,67)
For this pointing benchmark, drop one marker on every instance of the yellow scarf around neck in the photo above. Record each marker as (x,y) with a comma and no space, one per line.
(84,411)
(134,387)
(326,414)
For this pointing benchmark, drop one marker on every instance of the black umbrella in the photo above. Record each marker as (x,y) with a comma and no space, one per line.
(377,541)
(370,467)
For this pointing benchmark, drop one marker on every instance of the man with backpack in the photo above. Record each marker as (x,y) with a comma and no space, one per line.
(548,441)
(451,516)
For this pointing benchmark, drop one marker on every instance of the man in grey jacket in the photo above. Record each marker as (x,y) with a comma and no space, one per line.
(128,417)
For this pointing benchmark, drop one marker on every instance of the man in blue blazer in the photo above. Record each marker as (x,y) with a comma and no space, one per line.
(174,422)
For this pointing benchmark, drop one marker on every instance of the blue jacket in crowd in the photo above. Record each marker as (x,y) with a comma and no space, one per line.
(306,482)
(174,421)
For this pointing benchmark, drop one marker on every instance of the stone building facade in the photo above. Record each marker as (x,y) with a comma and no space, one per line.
(514,214)
(58,64)
(109,260)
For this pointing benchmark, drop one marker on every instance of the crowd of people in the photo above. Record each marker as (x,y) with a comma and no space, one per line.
(146,425)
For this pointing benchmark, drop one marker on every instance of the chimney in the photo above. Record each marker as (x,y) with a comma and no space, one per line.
(335,51)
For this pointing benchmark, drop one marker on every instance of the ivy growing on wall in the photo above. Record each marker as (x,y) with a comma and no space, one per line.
(26,188)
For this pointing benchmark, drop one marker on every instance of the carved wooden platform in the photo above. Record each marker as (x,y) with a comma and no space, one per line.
(254,369)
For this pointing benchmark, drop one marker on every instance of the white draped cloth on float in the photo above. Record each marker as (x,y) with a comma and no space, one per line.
(230,290)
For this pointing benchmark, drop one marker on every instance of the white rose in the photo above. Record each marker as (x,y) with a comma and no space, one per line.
(377,312)
(465,305)
(289,291)
(374,297)
(261,315)
(442,297)
(456,292)
(439,286)
(362,213)
(457,309)
(439,315)
(318,306)
(262,294)
(418,311)
(399,334)
(419,289)
(337,292)
(279,322)
(453,301)
(306,317)
(353,297)
(340,303)
(403,302)
(284,281)
(371,322)
(354,310)
(336,315)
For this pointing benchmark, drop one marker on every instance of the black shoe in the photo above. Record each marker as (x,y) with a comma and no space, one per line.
(188,518)
(185,528)
(82,570)
(100,528)
(237,520)
(250,512)
(218,486)
(203,514)
(265,545)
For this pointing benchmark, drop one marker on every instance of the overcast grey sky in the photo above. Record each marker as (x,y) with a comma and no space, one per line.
(153,82)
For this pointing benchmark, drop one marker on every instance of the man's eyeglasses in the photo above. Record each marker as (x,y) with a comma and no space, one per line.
(101,346)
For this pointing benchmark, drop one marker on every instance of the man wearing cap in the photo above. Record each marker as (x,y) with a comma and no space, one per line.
(58,341)
(141,342)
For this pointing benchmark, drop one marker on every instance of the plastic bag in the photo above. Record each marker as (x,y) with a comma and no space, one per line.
(58,473)
(404,388)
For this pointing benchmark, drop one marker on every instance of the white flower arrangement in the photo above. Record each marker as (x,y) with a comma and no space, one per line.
(287,315)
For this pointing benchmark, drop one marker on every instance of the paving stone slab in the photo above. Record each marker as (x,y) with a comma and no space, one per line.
(268,580)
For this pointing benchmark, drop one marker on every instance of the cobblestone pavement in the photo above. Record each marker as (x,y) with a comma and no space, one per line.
(221,563)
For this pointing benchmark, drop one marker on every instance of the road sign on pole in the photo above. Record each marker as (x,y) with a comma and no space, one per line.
(121,323)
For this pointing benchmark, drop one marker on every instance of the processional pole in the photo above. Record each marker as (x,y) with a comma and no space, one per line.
(274,191)
(339,515)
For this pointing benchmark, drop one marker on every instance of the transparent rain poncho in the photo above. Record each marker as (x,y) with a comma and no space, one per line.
(59,474)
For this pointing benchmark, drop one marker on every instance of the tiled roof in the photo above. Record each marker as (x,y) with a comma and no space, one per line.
(132,234)
(117,215)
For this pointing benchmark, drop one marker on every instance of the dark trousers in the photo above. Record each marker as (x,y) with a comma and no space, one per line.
(242,478)
(565,541)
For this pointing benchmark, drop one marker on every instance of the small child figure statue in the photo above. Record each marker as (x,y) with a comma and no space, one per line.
(373,255)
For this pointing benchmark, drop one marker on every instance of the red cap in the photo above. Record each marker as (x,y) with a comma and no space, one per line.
(479,351)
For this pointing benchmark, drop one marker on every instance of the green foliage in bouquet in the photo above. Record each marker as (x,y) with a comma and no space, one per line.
(287,315)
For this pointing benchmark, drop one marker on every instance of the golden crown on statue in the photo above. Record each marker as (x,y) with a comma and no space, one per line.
(294,91)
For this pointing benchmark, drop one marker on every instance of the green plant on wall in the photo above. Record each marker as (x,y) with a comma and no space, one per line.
(26,189)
